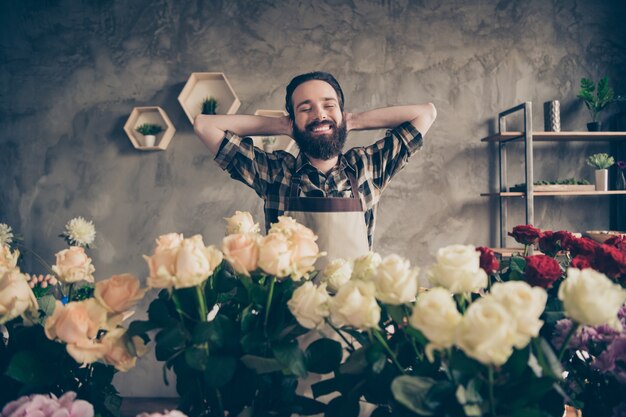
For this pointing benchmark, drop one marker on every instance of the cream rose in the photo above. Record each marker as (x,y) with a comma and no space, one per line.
(355,305)
(309,305)
(304,252)
(365,267)
(8,259)
(77,325)
(486,332)
(162,263)
(116,350)
(241,222)
(590,298)
(73,265)
(242,252)
(285,225)
(195,262)
(458,269)
(275,255)
(525,304)
(337,273)
(396,282)
(436,316)
(16,297)
(118,293)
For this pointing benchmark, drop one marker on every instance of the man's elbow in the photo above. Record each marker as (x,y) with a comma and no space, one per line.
(431,113)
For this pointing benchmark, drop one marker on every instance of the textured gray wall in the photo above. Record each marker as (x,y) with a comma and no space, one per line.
(71,72)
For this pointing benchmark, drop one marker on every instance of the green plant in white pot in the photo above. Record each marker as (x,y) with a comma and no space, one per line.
(601,162)
(149,132)
(604,96)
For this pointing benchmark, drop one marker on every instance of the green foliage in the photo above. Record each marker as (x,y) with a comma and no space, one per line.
(149,129)
(209,105)
(600,161)
(603,97)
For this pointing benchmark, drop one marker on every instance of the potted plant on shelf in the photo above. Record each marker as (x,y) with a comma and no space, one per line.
(604,96)
(149,132)
(209,106)
(601,162)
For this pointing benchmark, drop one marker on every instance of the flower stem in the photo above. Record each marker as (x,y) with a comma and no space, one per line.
(220,406)
(39,259)
(418,354)
(383,342)
(69,292)
(201,302)
(346,341)
(526,247)
(567,339)
(268,304)
(492,403)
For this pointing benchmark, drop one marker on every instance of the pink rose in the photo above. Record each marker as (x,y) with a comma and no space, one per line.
(48,406)
(242,252)
(118,293)
(304,252)
(73,265)
(117,353)
(275,255)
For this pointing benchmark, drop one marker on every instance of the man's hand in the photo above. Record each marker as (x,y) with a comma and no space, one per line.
(421,117)
(211,128)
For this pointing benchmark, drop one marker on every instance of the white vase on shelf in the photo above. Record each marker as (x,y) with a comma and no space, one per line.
(149,140)
(602,179)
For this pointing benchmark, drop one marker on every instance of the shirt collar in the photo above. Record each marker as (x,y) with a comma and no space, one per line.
(302,161)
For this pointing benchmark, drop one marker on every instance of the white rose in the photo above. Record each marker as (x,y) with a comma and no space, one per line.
(396,282)
(525,304)
(365,266)
(309,304)
(275,255)
(8,259)
(241,251)
(73,265)
(337,273)
(16,296)
(486,332)
(285,225)
(304,252)
(193,265)
(436,316)
(241,222)
(590,298)
(458,269)
(355,305)
(162,263)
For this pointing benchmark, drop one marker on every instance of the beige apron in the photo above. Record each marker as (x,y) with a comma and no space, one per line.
(339,224)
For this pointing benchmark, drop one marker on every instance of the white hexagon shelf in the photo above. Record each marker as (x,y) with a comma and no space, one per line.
(274,143)
(150,115)
(203,85)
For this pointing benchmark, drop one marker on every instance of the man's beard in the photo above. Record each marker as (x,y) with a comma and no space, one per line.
(324,146)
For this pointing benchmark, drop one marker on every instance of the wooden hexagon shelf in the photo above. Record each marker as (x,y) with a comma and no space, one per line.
(202,85)
(282,142)
(152,115)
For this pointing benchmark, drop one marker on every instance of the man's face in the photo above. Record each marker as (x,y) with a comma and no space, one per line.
(318,128)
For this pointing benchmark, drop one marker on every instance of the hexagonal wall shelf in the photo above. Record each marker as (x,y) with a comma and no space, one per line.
(151,115)
(201,85)
(282,142)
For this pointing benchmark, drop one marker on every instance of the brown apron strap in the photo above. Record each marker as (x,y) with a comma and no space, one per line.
(323,204)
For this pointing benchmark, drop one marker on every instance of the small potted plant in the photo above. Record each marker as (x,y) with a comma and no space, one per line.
(149,132)
(601,162)
(604,96)
(269,143)
(209,106)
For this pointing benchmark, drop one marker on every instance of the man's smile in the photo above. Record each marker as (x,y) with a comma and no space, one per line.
(319,128)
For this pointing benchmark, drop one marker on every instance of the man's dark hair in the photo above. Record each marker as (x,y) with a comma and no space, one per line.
(316,75)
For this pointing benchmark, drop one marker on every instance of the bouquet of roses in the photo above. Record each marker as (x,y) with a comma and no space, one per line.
(62,330)
(222,322)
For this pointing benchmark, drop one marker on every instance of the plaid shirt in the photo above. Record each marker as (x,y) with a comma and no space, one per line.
(269,174)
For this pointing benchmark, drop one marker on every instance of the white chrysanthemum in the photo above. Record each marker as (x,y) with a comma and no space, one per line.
(6,234)
(80,231)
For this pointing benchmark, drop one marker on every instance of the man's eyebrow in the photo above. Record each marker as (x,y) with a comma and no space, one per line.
(309,101)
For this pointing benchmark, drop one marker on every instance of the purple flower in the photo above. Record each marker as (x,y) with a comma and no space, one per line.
(38,405)
(173,413)
(615,352)
(621,164)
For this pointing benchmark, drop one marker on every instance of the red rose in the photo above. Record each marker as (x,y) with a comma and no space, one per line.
(583,246)
(541,271)
(618,242)
(551,243)
(525,234)
(580,262)
(488,261)
(610,261)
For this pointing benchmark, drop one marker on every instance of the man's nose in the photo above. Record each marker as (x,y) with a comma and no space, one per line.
(320,114)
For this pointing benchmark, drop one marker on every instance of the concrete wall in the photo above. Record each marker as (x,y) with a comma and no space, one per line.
(71,72)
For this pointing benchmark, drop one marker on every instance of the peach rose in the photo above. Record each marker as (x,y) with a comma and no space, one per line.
(117,353)
(304,252)
(73,265)
(77,325)
(241,222)
(118,293)
(195,262)
(275,255)
(16,296)
(242,252)
(8,259)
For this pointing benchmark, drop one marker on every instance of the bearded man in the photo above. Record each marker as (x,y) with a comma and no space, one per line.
(333,193)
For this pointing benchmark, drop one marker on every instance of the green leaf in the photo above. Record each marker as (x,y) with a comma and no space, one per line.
(219,370)
(356,363)
(159,314)
(518,362)
(518,264)
(323,356)
(395,312)
(255,342)
(197,357)
(343,406)
(249,318)
(168,341)
(47,304)
(225,279)
(292,358)
(528,412)
(307,406)
(29,368)
(221,333)
(547,359)
(260,364)
(412,392)
(377,358)
(140,328)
